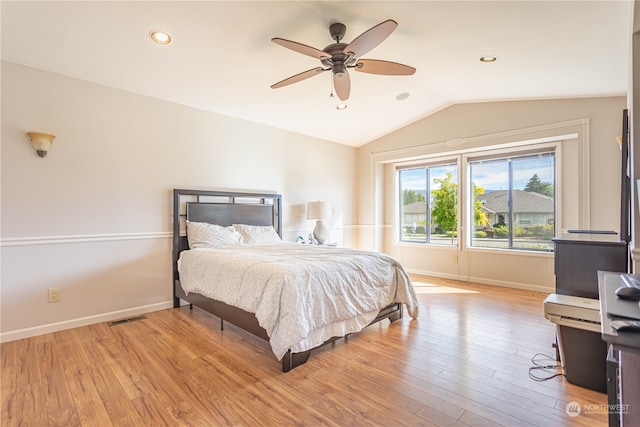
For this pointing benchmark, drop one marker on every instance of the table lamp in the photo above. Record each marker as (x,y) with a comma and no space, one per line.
(319,211)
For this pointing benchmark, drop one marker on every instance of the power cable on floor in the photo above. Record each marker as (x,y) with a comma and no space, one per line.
(541,363)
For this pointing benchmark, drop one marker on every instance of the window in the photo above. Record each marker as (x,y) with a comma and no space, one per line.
(513,201)
(429,204)
(509,203)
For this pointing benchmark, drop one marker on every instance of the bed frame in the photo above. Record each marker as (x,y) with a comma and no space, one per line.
(227,208)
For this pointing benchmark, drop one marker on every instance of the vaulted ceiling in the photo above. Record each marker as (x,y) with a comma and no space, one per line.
(221,57)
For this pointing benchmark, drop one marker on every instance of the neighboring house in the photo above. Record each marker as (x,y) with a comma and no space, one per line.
(529,208)
(414,213)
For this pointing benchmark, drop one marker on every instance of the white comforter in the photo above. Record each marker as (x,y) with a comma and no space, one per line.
(295,289)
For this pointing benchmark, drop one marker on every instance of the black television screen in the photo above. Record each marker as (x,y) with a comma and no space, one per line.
(625,182)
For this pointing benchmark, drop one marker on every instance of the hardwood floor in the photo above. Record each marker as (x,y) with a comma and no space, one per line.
(464,362)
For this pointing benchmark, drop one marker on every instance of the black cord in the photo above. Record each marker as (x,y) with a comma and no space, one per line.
(544,367)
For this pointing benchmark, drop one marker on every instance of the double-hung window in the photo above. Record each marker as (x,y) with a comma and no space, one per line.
(429,203)
(513,200)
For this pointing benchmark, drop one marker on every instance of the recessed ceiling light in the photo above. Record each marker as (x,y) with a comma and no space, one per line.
(488,58)
(341,106)
(160,37)
(402,96)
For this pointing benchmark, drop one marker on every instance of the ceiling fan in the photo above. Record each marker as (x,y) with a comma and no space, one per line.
(338,57)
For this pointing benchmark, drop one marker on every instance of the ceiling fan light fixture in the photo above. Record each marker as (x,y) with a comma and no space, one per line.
(160,37)
(341,106)
(339,70)
(488,58)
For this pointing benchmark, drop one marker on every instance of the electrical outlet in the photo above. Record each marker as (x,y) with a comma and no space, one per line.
(455,259)
(54,295)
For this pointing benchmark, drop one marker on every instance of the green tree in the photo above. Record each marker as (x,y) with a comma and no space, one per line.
(410,196)
(536,186)
(444,210)
(480,217)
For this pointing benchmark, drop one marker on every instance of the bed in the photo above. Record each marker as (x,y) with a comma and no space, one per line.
(304,296)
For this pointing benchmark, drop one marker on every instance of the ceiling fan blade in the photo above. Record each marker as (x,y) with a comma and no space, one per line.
(298,77)
(388,68)
(301,48)
(342,85)
(370,38)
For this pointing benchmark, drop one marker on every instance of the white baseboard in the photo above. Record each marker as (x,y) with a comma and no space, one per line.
(514,285)
(435,274)
(82,321)
(485,281)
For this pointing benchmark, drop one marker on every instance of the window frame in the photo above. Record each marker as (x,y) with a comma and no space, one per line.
(512,153)
(426,163)
(462,158)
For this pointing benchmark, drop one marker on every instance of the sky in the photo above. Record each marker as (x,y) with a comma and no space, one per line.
(494,175)
(491,174)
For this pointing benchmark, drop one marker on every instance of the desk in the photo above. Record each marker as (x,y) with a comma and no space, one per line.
(626,346)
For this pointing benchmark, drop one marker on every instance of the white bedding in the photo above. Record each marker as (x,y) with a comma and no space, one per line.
(298,291)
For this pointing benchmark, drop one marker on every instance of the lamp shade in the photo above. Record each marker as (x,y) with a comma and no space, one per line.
(41,142)
(318,210)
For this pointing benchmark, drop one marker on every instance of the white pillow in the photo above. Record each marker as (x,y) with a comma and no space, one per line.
(204,235)
(257,233)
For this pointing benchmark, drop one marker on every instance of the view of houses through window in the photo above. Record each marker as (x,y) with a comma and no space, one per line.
(518,202)
(429,199)
(511,204)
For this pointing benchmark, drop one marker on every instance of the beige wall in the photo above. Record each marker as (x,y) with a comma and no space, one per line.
(589,186)
(94,217)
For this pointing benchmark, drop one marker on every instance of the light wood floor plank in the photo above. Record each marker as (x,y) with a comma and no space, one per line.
(8,385)
(58,399)
(31,406)
(88,403)
(464,362)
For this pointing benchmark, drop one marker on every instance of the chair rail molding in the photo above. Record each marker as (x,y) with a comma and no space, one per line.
(88,238)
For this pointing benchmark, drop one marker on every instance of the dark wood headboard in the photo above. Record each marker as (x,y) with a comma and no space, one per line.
(222,208)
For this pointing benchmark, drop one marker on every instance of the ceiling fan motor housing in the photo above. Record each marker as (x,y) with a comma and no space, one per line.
(338,57)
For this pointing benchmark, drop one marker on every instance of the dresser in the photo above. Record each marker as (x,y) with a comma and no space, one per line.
(623,372)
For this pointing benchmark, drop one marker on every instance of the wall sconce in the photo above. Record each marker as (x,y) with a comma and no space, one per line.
(319,211)
(619,141)
(41,142)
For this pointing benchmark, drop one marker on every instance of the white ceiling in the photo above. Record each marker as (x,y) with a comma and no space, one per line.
(222,60)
